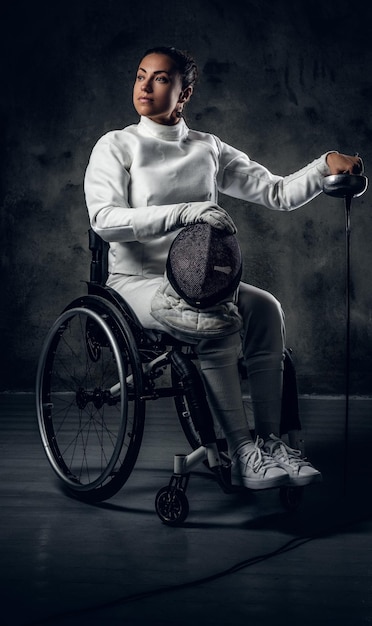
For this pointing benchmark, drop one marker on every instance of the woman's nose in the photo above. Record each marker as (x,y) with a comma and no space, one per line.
(146,86)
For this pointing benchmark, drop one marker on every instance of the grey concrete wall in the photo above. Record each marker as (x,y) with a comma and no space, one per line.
(283,80)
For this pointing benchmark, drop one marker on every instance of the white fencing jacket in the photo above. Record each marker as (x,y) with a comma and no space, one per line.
(139,179)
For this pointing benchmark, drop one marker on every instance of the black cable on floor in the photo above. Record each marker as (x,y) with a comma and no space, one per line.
(290,545)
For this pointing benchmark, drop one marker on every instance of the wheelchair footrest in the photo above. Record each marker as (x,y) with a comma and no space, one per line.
(223,477)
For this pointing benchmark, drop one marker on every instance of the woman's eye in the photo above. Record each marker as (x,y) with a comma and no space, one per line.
(139,77)
(161,79)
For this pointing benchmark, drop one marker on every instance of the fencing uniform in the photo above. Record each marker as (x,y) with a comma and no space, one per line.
(143,184)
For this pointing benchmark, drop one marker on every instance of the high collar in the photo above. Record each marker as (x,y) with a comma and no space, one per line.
(161,131)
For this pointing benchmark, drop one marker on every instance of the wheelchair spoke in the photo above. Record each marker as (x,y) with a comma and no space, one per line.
(89,433)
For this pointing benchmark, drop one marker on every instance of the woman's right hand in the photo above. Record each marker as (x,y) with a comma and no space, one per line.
(209,213)
(155,221)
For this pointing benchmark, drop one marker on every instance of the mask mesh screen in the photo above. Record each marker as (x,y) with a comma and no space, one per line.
(204,265)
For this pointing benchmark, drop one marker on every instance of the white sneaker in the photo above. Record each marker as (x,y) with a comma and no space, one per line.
(252,467)
(300,471)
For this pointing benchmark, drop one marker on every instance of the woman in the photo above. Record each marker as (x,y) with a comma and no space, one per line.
(143,184)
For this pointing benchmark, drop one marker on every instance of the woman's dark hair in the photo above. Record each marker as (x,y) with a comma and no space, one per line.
(184,62)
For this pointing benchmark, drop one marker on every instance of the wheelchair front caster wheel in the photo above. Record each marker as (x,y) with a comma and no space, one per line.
(291,497)
(172,506)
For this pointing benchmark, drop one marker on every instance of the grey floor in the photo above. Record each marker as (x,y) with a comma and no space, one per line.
(239,559)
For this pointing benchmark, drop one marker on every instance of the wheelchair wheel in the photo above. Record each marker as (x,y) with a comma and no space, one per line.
(187,424)
(172,506)
(89,402)
(291,498)
(185,419)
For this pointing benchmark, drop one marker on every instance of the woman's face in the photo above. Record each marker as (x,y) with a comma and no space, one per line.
(158,89)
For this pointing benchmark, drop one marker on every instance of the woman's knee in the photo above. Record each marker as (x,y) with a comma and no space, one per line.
(263,321)
(259,304)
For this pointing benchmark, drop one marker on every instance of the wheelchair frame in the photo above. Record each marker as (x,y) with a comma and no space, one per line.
(97,369)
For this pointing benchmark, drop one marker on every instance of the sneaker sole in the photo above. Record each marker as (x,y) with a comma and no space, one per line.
(261,484)
(305,480)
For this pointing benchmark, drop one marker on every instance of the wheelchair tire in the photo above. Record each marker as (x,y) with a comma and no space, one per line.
(185,419)
(89,399)
(172,506)
(291,498)
(187,423)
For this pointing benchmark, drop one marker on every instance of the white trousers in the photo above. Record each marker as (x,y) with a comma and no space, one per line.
(260,343)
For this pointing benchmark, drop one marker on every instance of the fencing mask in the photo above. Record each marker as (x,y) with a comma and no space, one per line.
(204,265)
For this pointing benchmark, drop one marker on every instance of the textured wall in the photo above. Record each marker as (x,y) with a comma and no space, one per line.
(282,80)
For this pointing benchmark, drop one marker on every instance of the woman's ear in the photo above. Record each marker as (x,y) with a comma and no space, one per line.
(185,95)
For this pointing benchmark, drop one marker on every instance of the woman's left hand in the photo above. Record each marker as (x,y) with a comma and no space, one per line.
(344,163)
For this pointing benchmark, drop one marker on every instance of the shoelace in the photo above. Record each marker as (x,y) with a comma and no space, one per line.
(289,455)
(257,459)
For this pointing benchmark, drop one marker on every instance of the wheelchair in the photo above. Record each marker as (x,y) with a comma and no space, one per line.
(97,369)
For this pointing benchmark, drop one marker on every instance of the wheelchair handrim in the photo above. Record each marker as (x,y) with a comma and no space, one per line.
(74,483)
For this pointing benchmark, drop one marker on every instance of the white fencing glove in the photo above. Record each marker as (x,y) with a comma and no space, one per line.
(206,212)
(156,221)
